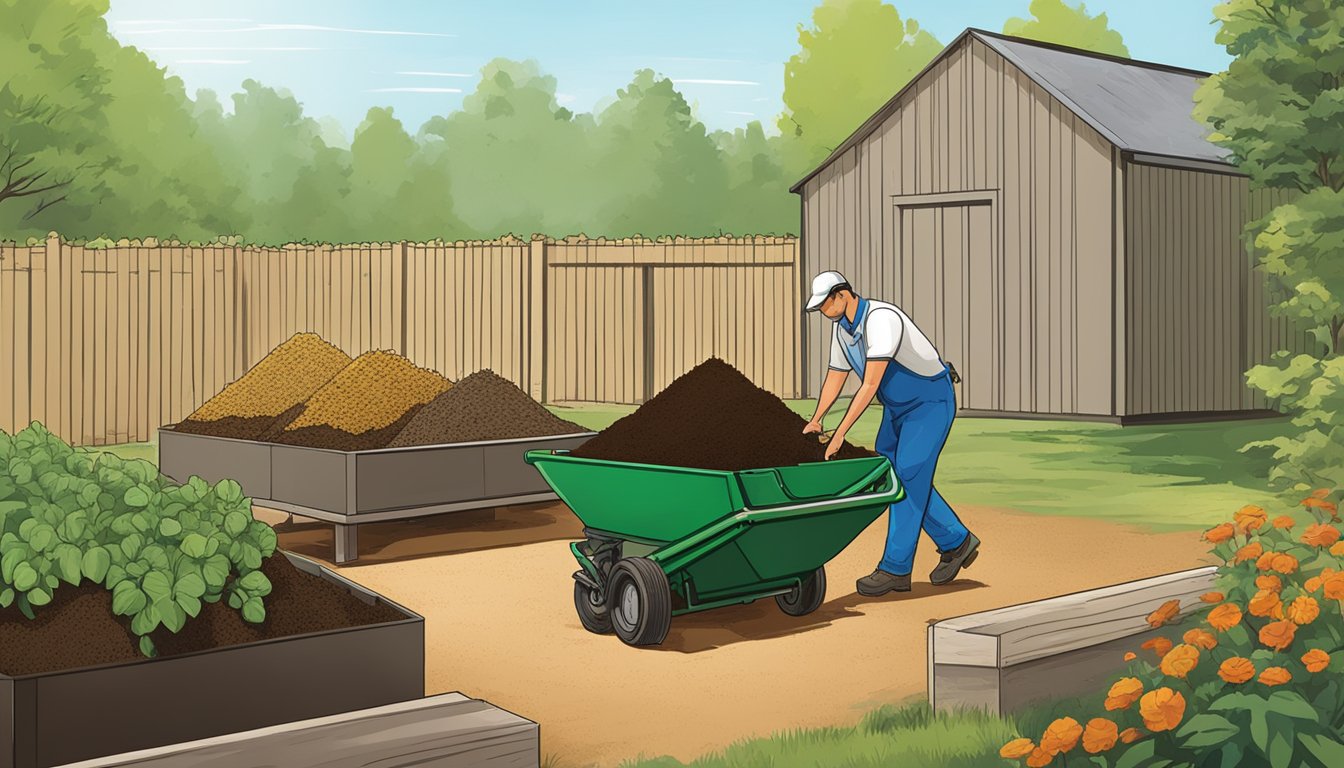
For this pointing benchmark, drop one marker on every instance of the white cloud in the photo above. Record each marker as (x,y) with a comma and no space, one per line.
(415,90)
(565,98)
(212,48)
(437,74)
(140,22)
(744,114)
(288,28)
(694,59)
(212,61)
(698,81)
(762,98)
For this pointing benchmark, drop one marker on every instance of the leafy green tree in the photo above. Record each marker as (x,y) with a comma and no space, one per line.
(1278,109)
(759,201)
(853,58)
(1054,21)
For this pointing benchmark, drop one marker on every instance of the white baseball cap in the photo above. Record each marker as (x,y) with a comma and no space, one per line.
(822,286)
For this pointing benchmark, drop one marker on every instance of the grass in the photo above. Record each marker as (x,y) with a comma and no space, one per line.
(1158,477)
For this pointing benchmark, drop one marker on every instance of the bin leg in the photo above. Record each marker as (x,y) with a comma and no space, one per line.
(347,543)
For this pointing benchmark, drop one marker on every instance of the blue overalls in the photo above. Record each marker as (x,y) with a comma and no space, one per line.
(917,414)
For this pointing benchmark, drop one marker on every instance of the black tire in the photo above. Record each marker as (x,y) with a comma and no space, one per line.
(639,602)
(806,598)
(593,615)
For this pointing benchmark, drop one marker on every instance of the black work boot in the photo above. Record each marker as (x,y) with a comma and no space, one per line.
(952,562)
(879,583)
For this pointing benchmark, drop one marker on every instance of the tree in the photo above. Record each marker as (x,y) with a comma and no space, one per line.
(856,55)
(1053,21)
(759,201)
(1278,110)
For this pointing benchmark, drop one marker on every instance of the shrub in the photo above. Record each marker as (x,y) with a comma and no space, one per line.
(1249,678)
(162,549)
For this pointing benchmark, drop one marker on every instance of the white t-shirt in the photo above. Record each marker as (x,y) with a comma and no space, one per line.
(889,334)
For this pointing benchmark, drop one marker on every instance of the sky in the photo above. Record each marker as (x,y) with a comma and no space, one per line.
(341,57)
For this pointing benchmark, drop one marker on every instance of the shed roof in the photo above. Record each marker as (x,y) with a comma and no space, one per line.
(1138,106)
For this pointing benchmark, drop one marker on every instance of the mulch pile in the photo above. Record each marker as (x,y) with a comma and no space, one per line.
(77,629)
(483,406)
(712,417)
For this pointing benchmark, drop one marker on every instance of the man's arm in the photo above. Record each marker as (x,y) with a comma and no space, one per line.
(872,379)
(830,391)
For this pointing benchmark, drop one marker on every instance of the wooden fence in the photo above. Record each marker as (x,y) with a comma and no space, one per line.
(105,345)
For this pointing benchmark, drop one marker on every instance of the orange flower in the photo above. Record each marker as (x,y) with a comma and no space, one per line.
(1249,552)
(1061,735)
(1130,735)
(1180,660)
(1225,617)
(1100,735)
(1130,657)
(1318,502)
(1123,693)
(1275,676)
(1269,581)
(1277,561)
(1304,610)
(1266,603)
(1162,709)
(1278,635)
(1158,645)
(1249,518)
(1212,597)
(1220,533)
(1334,586)
(1165,613)
(1315,582)
(1236,670)
(1321,493)
(1201,639)
(1284,522)
(1316,660)
(1320,535)
(1338,549)
(1040,758)
(1017,749)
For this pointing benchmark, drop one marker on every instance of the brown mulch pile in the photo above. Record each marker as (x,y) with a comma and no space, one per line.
(483,406)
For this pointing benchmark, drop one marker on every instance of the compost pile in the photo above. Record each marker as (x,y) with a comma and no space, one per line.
(363,406)
(712,417)
(272,390)
(483,406)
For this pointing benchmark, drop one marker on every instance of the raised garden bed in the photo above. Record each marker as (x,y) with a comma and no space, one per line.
(51,718)
(348,488)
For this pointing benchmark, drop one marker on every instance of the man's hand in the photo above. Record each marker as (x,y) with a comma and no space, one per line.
(812,428)
(834,445)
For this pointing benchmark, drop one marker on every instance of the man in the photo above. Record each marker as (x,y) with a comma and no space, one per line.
(897,364)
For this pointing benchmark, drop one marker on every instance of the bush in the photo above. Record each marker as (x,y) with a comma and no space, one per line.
(162,549)
(1252,678)
(1313,391)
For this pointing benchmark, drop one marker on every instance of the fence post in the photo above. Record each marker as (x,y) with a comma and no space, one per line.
(399,256)
(537,328)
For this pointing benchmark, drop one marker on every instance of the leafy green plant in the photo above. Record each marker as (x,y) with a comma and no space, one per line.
(162,549)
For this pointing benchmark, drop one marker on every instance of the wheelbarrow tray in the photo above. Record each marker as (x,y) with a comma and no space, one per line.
(722,537)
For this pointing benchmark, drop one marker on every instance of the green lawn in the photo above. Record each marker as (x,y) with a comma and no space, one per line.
(1160,477)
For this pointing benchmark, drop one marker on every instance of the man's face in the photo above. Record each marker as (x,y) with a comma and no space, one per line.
(834,305)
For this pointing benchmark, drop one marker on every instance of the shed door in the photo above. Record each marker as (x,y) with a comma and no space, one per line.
(946,284)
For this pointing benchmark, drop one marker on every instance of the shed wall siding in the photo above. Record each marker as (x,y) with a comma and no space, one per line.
(974,122)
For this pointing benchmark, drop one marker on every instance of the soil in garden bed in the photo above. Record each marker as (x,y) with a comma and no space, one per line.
(77,629)
(712,417)
(324,436)
(483,406)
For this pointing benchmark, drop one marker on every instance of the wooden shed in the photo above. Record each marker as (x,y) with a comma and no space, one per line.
(1058,223)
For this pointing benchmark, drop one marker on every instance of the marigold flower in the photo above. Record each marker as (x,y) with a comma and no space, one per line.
(1314,583)
(1316,660)
(1130,735)
(1320,535)
(1165,613)
(1249,552)
(1321,493)
(1277,561)
(1319,502)
(1201,639)
(1284,522)
(1017,749)
(1212,597)
(1130,656)
(1180,660)
(1162,709)
(1061,736)
(1275,676)
(1334,586)
(1100,735)
(1220,533)
(1236,670)
(1304,610)
(1040,758)
(1225,617)
(1158,645)
(1278,635)
(1249,518)
(1123,693)
(1269,581)
(1266,603)
(1338,549)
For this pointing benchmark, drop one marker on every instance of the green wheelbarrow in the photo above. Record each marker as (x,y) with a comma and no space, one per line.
(664,541)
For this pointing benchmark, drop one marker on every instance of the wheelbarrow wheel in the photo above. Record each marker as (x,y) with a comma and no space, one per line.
(593,613)
(806,597)
(639,601)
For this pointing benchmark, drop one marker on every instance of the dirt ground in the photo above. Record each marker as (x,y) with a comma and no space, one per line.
(496,594)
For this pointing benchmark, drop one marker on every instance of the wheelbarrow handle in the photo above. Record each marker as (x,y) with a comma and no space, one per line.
(878,472)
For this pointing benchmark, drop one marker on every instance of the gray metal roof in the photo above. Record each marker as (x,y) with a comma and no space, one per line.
(1140,107)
